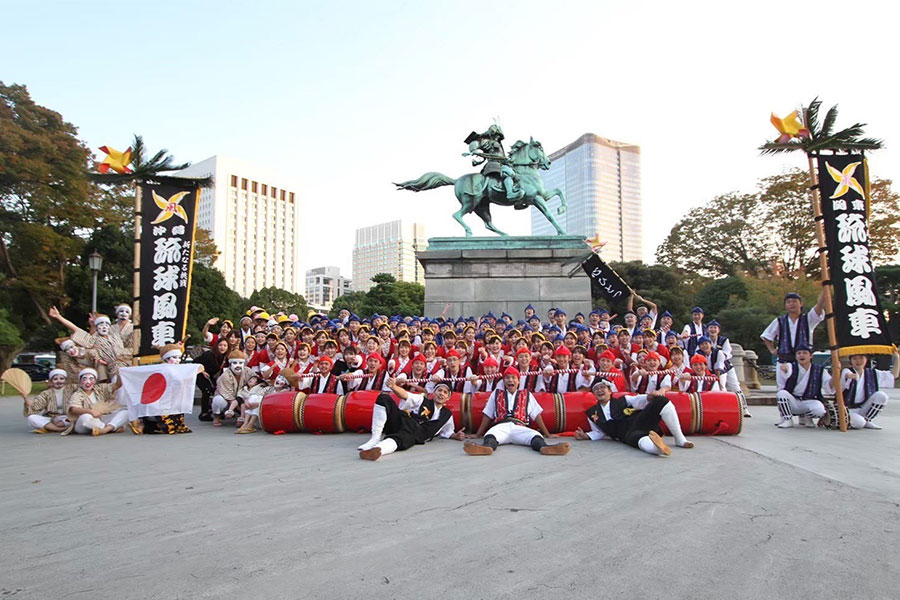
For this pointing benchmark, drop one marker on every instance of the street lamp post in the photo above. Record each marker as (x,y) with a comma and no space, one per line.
(95,263)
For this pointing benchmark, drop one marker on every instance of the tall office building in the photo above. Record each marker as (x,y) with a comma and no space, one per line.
(388,248)
(323,285)
(253,216)
(601,179)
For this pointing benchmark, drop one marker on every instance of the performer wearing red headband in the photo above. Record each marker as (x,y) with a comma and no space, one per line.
(452,369)
(689,384)
(508,413)
(416,421)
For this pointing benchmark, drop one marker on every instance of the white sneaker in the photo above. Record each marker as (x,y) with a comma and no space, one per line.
(747,414)
(871,425)
(785,423)
(807,421)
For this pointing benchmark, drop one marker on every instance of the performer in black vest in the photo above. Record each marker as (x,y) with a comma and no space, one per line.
(801,389)
(784,334)
(416,421)
(508,413)
(693,331)
(862,390)
(632,421)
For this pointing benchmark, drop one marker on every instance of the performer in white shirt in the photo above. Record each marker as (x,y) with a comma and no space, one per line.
(785,333)
(802,386)
(506,418)
(416,421)
(863,387)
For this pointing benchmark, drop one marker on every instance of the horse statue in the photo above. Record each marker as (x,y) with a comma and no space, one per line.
(476,191)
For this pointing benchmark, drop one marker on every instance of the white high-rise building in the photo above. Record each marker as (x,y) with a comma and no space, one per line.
(253,216)
(323,285)
(601,179)
(388,248)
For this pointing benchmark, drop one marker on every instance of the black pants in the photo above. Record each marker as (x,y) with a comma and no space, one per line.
(206,394)
(645,421)
(400,427)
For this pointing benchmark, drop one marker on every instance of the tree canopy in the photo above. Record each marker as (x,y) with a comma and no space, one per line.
(387,297)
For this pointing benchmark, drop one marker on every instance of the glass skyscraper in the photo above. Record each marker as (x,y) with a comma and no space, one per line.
(601,179)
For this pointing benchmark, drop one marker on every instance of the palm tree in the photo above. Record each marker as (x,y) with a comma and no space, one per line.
(822,138)
(151,169)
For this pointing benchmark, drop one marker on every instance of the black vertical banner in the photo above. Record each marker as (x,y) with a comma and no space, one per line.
(859,321)
(168,219)
(605,282)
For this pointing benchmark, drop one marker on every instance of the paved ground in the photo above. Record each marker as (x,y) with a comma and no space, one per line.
(769,514)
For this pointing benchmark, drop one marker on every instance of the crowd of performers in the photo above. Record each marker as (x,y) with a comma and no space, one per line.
(423,361)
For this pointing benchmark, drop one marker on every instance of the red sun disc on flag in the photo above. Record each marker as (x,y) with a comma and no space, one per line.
(153,389)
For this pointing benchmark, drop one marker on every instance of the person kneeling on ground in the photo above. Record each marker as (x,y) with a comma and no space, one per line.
(632,420)
(802,386)
(416,421)
(508,413)
(88,406)
(862,390)
(47,411)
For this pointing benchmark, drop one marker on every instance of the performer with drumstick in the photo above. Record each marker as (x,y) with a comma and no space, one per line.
(632,420)
(802,386)
(416,421)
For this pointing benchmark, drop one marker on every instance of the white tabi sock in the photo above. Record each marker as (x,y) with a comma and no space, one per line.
(647,445)
(387,446)
(379,418)
(669,416)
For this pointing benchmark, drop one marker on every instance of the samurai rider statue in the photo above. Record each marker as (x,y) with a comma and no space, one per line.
(487,148)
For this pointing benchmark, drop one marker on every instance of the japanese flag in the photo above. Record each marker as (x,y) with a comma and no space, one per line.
(153,390)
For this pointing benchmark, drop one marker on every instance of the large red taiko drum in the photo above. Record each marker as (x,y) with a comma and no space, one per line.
(708,413)
(575,405)
(358,407)
(280,411)
(473,410)
(322,413)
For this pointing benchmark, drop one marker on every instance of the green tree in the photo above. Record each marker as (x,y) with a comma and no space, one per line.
(770,233)
(717,294)
(670,289)
(205,250)
(210,297)
(275,299)
(887,278)
(390,297)
(355,302)
(10,340)
(47,207)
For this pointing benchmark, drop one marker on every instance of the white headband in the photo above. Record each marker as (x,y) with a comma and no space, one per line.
(171,353)
(87,371)
(65,345)
(102,320)
(55,372)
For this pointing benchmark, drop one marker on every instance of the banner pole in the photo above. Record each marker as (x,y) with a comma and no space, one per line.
(136,275)
(816,200)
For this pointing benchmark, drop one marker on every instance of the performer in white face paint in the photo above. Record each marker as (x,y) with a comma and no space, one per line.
(47,411)
(230,382)
(73,360)
(418,420)
(632,421)
(863,387)
(506,417)
(84,407)
(802,386)
(104,347)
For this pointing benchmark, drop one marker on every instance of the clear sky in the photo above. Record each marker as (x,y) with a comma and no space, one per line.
(346,97)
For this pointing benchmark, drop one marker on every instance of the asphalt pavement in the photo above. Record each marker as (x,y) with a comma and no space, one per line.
(771,513)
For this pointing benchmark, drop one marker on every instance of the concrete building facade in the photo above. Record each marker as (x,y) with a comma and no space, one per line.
(323,286)
(388,248)
(253,216)
(601,179)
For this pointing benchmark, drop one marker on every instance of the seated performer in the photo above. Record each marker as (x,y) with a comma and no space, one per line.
(801,389)
(229,383)
(47,411)
(647,380)
(862,390)
(83,408)
(416,421)
(508,413)
(632,421)
(700,379)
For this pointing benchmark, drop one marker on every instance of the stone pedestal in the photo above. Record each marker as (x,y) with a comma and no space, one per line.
(504,274)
